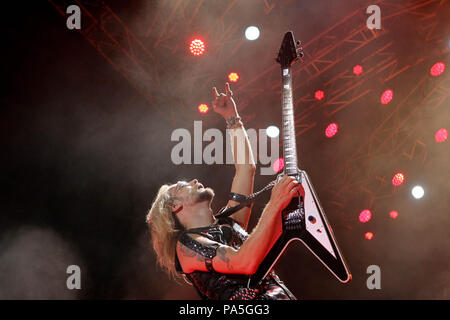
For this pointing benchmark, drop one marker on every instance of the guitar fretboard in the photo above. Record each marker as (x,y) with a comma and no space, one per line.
(288,125)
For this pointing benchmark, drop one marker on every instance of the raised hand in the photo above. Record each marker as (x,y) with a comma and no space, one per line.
(223,103)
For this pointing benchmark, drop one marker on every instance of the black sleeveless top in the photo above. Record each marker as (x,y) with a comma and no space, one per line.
(219,286)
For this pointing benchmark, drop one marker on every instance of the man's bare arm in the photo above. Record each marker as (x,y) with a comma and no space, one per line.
(229,260)
(242,154)
(247,259)
(245,173)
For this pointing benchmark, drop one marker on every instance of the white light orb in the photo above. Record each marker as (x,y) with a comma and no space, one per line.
(252,33)
(417,192)
(272,131)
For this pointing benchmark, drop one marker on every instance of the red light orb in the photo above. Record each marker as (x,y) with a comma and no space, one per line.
(393,214)
(387,96)
(203,108)
(319,94)
(441,135)
(233,77)
(369,235)
(437,69)
(357,70)
(197,47)
(331,130)
(278,165)
(398,179)
(365,216)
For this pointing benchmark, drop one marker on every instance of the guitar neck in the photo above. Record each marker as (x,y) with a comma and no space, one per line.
(288,124)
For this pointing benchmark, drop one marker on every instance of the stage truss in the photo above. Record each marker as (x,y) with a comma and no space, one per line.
(401,133)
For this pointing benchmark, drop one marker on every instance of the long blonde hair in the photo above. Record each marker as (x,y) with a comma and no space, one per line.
(163,231)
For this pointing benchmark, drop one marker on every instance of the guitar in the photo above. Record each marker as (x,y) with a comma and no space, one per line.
(303,219)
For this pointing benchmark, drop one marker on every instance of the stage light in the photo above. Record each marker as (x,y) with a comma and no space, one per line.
(197,47)
(398,179)
(203,108)
(437,69)
(441,135)
(278,165)
(387,96)
(319,94)
(272,131)
(357,69)
(233,77)
(417,192)
(365,216)
(252,33)
(331,130)
(369,235)
(393,214)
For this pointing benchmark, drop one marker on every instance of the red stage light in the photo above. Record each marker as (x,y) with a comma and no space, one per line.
(319,94)
(393,214)
(441,135)
(369,235)
(365,216)
(331,130)
(203,108)
(387,96)
(357,69)
(197,47)
(398,179)
(233,77)
(278,165)
(437,69)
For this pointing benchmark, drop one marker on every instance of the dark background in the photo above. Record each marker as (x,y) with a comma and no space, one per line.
(83,152)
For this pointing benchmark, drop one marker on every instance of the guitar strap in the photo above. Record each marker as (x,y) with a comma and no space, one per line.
(243,201)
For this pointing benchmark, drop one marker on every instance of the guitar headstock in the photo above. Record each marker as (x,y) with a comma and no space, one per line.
(290,50)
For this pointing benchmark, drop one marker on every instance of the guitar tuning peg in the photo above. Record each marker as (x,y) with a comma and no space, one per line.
(298,42)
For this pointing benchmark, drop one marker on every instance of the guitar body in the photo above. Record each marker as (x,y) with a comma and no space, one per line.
(303,219)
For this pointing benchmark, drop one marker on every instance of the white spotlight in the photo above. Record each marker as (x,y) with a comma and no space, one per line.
(272,131)
(252,33)
(417,192)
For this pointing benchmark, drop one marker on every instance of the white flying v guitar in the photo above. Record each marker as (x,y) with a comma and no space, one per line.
(303,219)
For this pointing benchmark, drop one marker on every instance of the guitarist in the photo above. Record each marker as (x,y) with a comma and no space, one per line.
(217,256)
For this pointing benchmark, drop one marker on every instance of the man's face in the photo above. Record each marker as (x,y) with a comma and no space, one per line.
(192,192)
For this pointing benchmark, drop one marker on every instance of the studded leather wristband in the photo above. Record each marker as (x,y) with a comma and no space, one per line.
(234,122)
(237,197)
